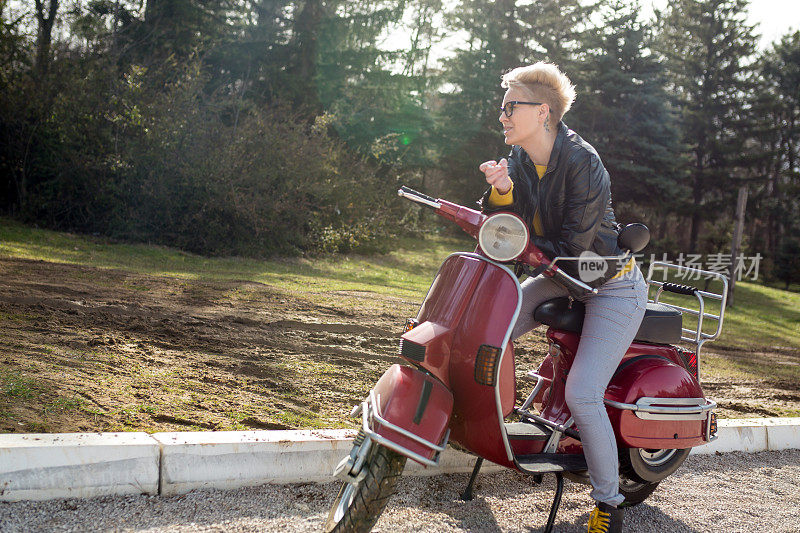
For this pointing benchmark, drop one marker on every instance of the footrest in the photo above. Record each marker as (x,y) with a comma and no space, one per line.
(527,431)
(543,463)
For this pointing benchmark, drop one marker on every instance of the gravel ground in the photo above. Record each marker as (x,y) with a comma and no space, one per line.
(733,492)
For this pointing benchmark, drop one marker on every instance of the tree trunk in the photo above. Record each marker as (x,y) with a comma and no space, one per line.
(44,35)
(697,199)
(741,205)
(306,30)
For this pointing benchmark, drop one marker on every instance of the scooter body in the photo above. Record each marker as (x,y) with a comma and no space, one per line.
(462,340)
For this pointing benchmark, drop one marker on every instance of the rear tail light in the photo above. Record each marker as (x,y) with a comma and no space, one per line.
(689,361)
(486,365)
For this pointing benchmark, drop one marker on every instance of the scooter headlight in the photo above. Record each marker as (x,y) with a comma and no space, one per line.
(503,236)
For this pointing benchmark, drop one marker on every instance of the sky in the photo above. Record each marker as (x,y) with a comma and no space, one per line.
(775,18)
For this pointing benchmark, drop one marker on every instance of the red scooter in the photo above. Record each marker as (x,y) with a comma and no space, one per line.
(459,385)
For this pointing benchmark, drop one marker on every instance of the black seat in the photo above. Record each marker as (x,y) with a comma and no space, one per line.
(661,324)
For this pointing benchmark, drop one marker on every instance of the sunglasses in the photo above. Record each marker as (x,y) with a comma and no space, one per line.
(508,109)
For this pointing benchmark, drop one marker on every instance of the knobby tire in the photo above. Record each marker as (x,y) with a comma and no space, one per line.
(384,467)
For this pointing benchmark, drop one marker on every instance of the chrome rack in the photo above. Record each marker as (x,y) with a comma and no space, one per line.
(694,336)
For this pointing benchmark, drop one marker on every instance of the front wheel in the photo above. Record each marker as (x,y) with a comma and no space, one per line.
(358,505)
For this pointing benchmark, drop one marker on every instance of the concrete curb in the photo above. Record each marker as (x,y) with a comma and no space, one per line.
(76,465)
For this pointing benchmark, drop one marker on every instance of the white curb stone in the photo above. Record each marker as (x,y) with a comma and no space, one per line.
(451,462)
(782,433)
(77,465)
(46,466)
(754,435)
(232,459)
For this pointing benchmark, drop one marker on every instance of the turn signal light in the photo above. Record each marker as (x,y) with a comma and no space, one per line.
(486,365)
(712,426)
(411,323)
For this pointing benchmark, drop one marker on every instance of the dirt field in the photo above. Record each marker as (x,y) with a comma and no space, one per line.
(87,349)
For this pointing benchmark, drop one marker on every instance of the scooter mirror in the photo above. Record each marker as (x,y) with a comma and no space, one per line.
(634,237)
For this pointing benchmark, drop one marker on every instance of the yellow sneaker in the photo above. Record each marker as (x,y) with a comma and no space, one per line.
(605,519)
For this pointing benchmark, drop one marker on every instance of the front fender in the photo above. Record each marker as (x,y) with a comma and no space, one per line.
(409,411)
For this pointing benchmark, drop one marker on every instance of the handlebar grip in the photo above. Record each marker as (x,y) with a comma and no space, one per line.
(679,289)
(409,190)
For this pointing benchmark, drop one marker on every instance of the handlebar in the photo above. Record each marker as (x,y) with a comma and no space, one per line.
(572,284)
(471,220)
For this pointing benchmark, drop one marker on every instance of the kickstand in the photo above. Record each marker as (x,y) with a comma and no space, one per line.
(556,502)
(467,495)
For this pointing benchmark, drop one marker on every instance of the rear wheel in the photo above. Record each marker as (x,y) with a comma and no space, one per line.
(650,464)
(641,470)
(358,505)
(635,491)
(636,464)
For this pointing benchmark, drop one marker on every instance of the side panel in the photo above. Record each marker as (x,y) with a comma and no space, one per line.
(554,407)
(415,402)
(659,378)
(487,320)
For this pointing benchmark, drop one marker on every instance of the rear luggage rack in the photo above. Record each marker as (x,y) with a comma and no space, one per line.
(695,336)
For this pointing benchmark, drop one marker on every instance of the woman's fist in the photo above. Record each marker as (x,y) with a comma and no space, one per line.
(497,175)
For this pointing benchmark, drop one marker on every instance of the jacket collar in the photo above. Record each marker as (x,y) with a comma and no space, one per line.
(554,153)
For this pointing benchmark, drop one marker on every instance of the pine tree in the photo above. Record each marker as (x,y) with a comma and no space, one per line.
(776,147)
(624,110)
(467,120)
(500,36)
(708,45)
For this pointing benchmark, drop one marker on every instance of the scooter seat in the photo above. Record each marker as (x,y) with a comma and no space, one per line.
(661,324)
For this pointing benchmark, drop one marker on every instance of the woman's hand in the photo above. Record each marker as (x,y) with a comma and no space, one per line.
(497,175)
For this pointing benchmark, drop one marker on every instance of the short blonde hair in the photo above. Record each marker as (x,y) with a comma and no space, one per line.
(545,82)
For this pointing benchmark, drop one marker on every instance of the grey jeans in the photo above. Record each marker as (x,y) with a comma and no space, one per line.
(613,316)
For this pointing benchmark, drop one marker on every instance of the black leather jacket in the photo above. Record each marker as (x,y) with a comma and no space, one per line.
(574,201)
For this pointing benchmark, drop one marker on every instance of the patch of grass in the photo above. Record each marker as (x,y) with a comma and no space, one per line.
(65,404)
(18,317)
(406,271)
(301,420)
(747,367)
(17,386)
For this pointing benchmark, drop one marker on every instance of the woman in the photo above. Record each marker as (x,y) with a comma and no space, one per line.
(556,181)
